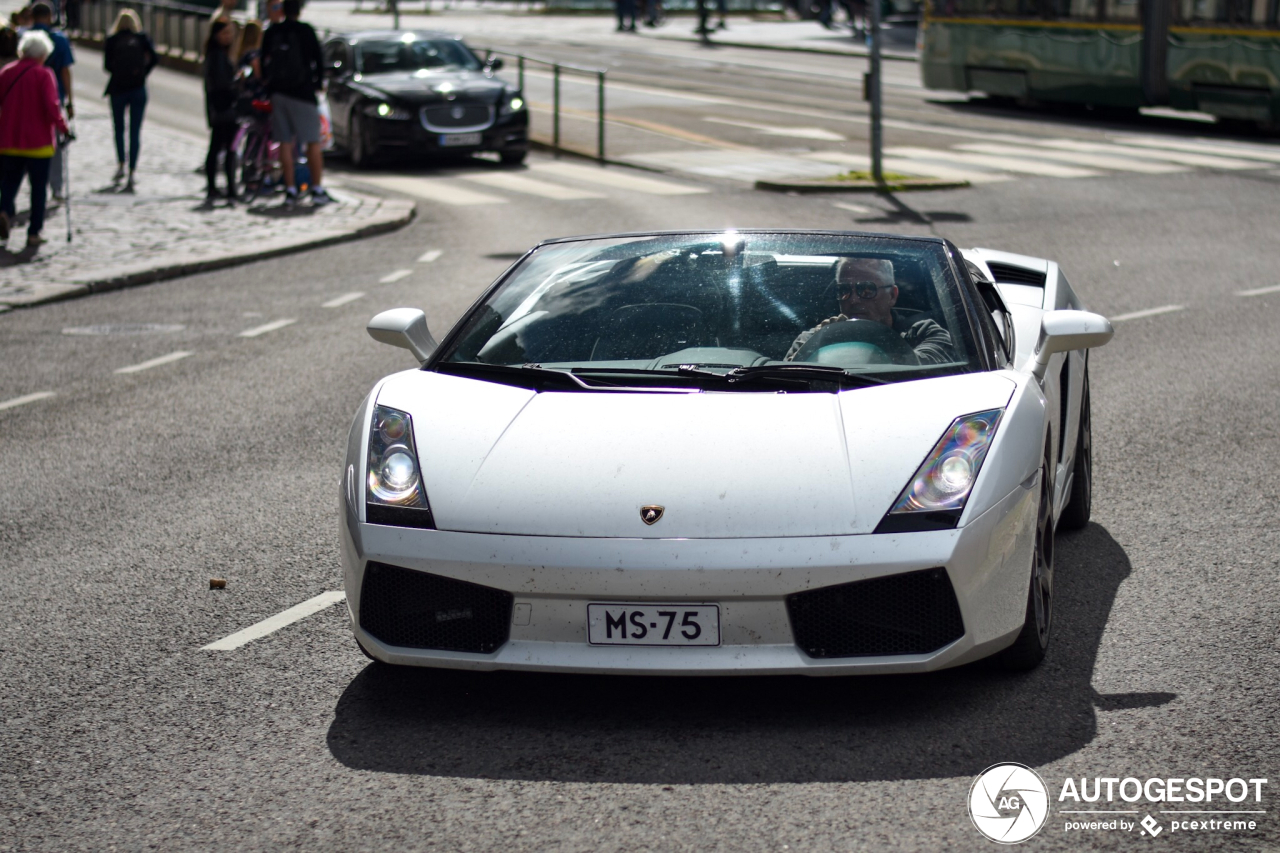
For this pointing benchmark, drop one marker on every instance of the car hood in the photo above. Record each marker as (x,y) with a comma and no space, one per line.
(418,89)
(500,459)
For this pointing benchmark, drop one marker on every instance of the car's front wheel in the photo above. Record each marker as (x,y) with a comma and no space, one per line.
(1028,650)
(1076,513)
(513,158)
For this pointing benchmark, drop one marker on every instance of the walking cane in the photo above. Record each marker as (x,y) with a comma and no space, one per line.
(66,175)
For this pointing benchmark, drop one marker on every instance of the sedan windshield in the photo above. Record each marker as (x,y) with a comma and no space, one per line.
(724,306)
(411,54)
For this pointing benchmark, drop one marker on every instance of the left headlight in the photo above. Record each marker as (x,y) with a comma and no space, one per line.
(512,103)
(393,484)
(936,496)
(389,111)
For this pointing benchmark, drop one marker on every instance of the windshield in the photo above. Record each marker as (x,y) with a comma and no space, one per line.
(730,303)
(410,54)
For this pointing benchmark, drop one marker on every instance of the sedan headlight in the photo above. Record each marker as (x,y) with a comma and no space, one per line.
(393,487)
(389,111)
(512,103)
(936,495)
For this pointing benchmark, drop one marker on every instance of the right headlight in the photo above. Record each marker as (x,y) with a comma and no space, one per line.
(394,493)
(936,495)
(511,104)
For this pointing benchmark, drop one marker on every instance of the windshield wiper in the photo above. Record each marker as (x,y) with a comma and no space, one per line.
(802,372)
(521,373)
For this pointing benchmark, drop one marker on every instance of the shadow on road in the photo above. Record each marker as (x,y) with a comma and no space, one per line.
(742,730)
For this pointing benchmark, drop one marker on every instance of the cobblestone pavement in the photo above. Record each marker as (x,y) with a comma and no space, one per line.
(162,231)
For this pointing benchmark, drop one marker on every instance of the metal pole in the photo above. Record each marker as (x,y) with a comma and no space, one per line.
(395,13)
(555,109)
(600,117)
(877,139)
(520,68)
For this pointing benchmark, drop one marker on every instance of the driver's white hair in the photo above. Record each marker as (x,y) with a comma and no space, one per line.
(34,44)
(879,267)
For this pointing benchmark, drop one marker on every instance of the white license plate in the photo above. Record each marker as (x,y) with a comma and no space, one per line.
(653,624)
(451,139)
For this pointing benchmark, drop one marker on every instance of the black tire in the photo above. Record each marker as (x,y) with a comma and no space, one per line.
(362,151)
(513,158)
(1033,641)
(1076,513)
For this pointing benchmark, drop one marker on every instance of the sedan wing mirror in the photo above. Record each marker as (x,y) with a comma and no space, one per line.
(495,63)
(405,328)
(1062,331)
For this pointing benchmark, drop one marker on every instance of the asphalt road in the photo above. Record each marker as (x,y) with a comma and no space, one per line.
(123,494)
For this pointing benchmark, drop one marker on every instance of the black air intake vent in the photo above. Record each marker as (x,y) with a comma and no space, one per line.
(1009,274)
(910,614)
(416,610)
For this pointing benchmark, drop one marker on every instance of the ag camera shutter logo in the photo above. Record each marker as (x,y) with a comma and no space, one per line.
(1008,803)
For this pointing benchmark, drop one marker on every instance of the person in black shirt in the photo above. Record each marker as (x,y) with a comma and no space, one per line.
(128,56)
(293,72)
(220,100)
(866,291)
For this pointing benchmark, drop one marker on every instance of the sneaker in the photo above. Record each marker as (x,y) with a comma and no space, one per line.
(4,226)
(319,198)
(34,240)
(119,175)
(290,198)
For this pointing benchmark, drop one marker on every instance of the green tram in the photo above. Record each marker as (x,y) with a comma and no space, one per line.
(1217,56)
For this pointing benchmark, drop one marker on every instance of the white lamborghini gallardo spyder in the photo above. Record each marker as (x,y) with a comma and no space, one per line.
(725,453)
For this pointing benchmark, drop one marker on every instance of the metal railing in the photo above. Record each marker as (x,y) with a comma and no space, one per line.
(557,68)
(175,28)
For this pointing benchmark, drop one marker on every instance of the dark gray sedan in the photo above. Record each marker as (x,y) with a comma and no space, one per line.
(421,93)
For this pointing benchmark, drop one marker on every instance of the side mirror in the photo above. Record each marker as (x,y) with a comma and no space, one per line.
(1062,331)
(405,328)
(495,63)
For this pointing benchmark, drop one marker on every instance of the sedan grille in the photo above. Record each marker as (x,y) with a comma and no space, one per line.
(457,118)
(417,610)
(908,614)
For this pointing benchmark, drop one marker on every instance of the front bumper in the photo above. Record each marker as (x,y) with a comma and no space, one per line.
(410,136)
(553,579)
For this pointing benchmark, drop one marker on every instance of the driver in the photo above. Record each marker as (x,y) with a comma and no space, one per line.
(866,291)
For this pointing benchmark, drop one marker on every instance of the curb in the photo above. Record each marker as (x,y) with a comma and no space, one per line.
(399,213)
(858,186)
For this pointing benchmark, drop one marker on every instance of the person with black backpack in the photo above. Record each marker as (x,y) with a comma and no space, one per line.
(128,56)
(293,72)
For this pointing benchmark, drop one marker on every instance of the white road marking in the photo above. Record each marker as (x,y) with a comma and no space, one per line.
(395,276)
(616,179)
(1186,158)
(1259,291)
(22,401)
(428,257)
(267,327)
(1214,148)
(852,208)
(155,362)
(774,130)
(434,189)
(339,301)
(531,186)
(1076,158)
(1004,164)
(275,623)
(1149,312)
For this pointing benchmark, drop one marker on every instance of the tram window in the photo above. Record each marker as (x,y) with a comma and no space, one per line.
(1239,12)
(1122,10)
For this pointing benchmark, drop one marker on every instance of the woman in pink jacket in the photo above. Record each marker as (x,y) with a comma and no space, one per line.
(29,117)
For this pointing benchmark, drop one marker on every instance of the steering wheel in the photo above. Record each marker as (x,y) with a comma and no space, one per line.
(853,343)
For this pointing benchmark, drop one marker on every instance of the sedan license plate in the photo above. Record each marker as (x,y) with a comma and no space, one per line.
(653,624)
(450,139)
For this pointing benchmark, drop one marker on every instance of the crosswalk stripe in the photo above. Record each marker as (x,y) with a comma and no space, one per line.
(433,189)
(1248,152)
(530,186)
(1078,158)
(616,179)
(1183,157)
(1007,164)
(911,167)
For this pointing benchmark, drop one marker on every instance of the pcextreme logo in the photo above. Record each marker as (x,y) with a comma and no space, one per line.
(1008,803)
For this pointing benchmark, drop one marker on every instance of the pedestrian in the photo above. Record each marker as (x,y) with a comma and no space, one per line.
(249,50)
(128,56)
(293,74)
(219,105)
(22,19)
(626,15)
(30,118)
(59,62)
(8,45)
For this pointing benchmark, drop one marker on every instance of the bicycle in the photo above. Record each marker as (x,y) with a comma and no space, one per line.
(259,158)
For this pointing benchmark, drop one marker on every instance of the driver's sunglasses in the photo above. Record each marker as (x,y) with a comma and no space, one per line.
(864,289)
